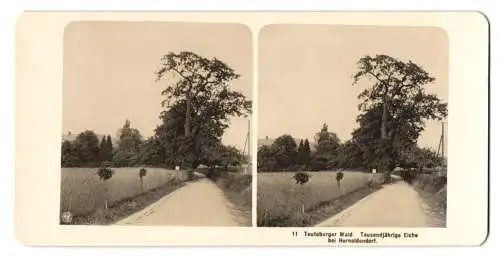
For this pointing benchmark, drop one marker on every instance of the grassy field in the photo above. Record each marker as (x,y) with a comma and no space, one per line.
(82,193)
(432,189)
(282,202)
(237,188)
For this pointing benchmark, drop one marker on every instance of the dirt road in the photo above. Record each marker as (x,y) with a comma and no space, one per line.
(395,205)
(199,203)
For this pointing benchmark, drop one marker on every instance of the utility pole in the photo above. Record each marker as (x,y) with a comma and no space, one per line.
(248,152)
(442,141)
(246,147)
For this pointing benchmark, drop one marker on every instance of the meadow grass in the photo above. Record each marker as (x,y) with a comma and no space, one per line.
(282,202)
(432,189)
(237,188)
(82,193)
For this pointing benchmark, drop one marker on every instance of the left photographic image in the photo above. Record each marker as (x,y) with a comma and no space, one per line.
(156,124)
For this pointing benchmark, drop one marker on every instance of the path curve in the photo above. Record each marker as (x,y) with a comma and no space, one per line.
(395,205)
(199,203)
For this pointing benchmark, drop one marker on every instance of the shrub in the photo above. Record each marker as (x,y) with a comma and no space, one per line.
(142,172)
(301,177)
(339,176)
(213,174)
(105,173)
(190,175)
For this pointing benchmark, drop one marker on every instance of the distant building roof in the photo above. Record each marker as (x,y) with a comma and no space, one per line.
(269,141)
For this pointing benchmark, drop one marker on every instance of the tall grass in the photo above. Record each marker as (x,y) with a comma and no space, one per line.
(434,187)
(82,193)
(237,188)
(279,198)
(431,184)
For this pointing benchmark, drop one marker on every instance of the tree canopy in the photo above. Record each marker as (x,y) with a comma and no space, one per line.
(199,102)
(129,145)
(395,104)
(393,109)
(86,146)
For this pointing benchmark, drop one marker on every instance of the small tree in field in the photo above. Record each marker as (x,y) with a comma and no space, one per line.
(142,174)
(339,177)
(104,174)
(301,178)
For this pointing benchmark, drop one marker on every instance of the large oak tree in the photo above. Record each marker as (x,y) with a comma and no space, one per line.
(394,107)
(200,101)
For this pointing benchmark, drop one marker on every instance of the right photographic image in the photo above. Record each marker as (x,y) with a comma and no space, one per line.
(352,126)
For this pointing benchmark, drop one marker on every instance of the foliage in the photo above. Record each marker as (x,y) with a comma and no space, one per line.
(102,149)
(231,156)
(394,108)
(129,144)
(106,149)
(279,198)
(86,151)
(339,176)
(86,146)
(108,156)
(142,172)
(237,189)
(199,103)
(393,111)
(285,152)
(327,143)
(300,150)
(327,148)
(152,152)
(350,156)
(81,189)
(304,153)
(265,159)
(280,156)
(105,173)
(301,177)
(69,155)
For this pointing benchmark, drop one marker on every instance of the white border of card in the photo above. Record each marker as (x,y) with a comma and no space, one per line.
(38,111)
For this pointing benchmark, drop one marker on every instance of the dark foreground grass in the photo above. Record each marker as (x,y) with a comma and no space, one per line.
(433,192)
(127,206)
(237,188)
(323,210)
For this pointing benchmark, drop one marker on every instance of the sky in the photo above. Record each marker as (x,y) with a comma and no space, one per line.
(305,75)
(109,71)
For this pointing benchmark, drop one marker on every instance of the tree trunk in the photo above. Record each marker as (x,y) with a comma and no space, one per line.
(142,186)
(105,198)
(187,124)
(383,127)
(338,184)
(69,202)
(190,172)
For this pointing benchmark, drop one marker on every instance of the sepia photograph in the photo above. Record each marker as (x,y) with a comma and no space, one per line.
(352,126)
(252,129)
(156,124)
